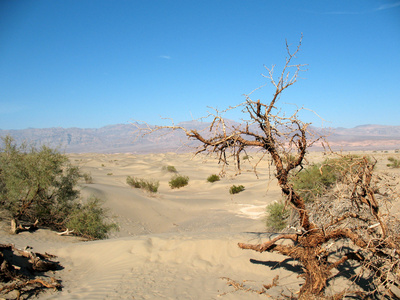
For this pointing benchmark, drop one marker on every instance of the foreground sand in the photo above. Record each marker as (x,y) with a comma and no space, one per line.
(176,244)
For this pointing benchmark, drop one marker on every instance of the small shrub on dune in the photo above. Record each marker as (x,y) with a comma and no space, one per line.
(170,169)
(139,183)
(236,189)
(311,184)
(178,181)
(87,177)
(213,178)
(316,179)
(133,182)
(277,216)
(87,220)
(394,163)
(151,186)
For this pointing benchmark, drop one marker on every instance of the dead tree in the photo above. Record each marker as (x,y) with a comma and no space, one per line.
(286,139)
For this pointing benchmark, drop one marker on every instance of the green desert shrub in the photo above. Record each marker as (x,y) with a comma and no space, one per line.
(88,220)
(87,177)
(277,216)
(140,183)
(311,184)
(170,169)
(36,184)
(236,189)
(394,163)
(316,179)
(39,184)
(213,178)
(133,182)
(178,181)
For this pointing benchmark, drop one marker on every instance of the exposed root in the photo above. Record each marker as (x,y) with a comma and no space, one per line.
(21,271)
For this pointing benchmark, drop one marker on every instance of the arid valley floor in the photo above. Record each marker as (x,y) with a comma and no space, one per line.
(177,243)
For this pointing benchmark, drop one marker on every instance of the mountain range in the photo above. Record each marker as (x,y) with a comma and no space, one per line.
(124,138)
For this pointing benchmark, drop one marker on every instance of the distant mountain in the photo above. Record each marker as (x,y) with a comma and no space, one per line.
(363,137)
(122,138)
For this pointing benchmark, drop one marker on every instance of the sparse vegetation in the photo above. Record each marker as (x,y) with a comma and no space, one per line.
(394,163)
(170,169)
(213,178)
(178,181)
(311,182)
(134,182)
(314,181)
(38,186)
(87,177)
(140,183)
(277,216)
(236,189)
(88,220)
(109,174)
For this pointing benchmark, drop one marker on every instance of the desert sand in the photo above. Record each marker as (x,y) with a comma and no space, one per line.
(175,244)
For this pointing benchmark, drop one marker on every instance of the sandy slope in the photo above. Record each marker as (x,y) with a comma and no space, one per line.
(176,244)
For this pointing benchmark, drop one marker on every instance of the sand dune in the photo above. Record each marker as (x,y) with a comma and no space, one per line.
(166,266)
(175,244)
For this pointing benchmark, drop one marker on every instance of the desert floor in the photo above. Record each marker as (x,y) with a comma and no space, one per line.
(177,243)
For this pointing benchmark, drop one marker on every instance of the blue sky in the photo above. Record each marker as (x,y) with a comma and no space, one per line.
(81,63)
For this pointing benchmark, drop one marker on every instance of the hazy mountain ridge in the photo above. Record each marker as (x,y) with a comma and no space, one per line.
(123,138)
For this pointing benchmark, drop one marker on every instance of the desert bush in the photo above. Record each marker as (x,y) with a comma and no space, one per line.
(312,182)
(247,157)
(394,163)
(88,220)
(87,177)
(236,189)
(170,169)
(109,174)
(213,178)
(37,184)
(178,181)
(277,216)
(133,182)
(139,183)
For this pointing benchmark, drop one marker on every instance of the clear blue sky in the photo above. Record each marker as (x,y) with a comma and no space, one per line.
(81,63)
